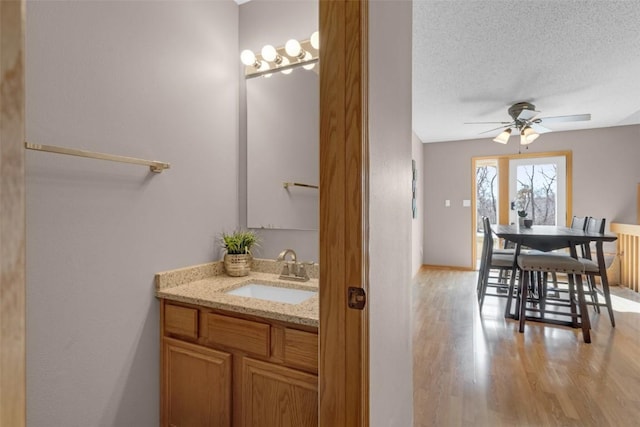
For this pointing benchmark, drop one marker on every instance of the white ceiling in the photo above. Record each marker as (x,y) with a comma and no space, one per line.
(473,59)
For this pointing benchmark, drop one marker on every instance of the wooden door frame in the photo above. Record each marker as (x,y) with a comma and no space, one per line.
(344,339)
(503,188)
(12,216)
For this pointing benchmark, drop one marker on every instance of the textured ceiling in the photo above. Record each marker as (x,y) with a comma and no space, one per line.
(473,59)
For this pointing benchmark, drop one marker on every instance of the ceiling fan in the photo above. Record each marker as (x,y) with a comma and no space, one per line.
(526,122)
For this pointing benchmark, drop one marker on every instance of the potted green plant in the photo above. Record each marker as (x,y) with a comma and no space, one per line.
(237,246)
(522,219)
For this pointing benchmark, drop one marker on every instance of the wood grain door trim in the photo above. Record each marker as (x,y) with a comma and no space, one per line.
(12,216)
(344,340)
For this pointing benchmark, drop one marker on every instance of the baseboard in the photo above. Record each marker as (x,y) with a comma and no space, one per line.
(445,267)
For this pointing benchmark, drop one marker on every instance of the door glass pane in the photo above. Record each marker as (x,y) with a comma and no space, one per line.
(537,188)
(537,192)
(486,193)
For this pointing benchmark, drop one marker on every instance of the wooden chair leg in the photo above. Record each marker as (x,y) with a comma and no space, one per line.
(605,282)
(572,300)
(607,298)
(584,312)
(542,293)
(591,284)
(480,276)
(524,286)
(512,286)
(554,277)
(483,291)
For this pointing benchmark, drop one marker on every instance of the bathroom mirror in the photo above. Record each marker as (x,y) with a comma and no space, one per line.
(283,147)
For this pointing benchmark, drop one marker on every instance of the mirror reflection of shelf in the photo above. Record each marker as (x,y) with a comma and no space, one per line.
(298,184)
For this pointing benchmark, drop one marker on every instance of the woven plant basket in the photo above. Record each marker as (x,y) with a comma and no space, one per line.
(237,265)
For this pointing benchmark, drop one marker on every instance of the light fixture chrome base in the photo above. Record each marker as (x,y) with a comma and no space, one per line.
(517,108)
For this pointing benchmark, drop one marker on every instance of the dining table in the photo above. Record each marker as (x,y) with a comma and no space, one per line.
(548,238)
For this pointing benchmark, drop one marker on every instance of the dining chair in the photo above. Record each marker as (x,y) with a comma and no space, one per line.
(540,263)
(577,223)
(493,260)
(597,268)
(580,223)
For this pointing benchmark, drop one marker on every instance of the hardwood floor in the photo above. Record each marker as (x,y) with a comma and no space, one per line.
(472,370)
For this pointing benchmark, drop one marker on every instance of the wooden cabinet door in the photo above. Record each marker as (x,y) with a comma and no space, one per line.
(275,396)
(196,388)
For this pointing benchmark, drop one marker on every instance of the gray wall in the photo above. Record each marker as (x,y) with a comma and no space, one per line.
(155,80)
(417,225)
(605,178)
(390,214)
(274,22)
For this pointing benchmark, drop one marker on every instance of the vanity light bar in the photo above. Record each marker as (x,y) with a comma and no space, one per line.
(283,62)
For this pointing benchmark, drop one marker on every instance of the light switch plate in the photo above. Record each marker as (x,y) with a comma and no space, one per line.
(466,203)
(447,203)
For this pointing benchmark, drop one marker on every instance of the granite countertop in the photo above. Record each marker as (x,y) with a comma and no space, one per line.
(206,284)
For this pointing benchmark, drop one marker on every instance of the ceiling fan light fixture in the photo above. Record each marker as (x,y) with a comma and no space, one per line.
(528,135)
(503,138)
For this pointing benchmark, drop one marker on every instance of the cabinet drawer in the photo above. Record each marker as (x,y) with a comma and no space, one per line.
(181,321)
(301,348)
(245,335)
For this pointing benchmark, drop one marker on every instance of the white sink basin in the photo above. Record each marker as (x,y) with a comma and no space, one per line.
(272,293)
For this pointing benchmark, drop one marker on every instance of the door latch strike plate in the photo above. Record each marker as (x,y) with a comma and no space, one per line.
(356,298)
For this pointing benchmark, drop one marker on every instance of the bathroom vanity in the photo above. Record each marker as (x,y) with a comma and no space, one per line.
(230,360)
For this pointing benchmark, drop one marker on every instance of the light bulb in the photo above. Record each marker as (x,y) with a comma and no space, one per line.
(285,61)
(269,53)
(248,57)
(315,40)
(307,56)
(292,47)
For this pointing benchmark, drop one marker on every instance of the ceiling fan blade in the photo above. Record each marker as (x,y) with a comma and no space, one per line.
(486,123)
(494,129)
(539,128)
(560,119)
(527,114)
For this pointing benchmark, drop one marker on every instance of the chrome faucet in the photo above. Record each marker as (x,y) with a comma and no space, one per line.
(292,270)
(284,253)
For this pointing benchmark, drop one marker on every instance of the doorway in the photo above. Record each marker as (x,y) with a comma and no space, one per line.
(537,185)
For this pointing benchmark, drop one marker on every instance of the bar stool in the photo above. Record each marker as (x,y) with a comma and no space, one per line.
(597,267)
(547,263)
(503,262)
(577,223)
